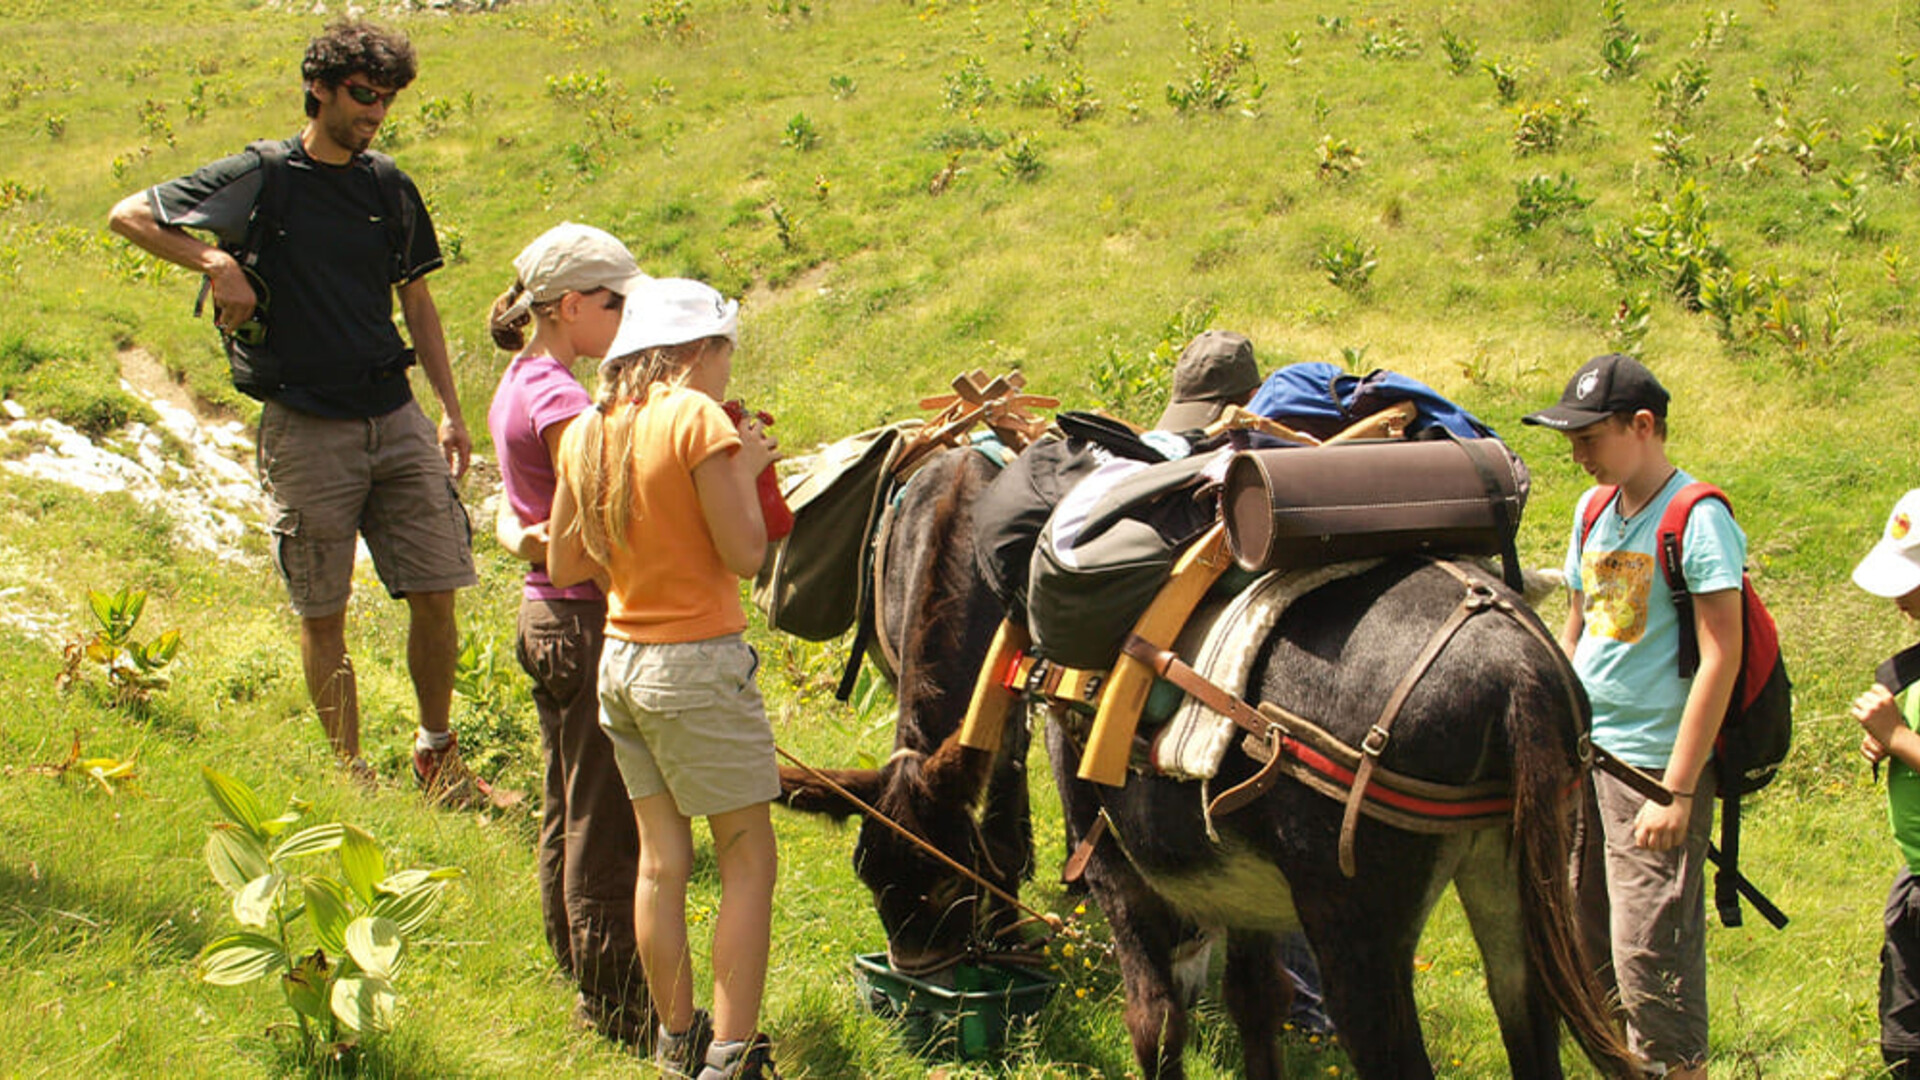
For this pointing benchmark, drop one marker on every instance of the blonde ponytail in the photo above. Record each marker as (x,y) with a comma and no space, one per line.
(507,322)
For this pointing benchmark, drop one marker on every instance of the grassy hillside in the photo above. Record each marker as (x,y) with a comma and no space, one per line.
(1480,194)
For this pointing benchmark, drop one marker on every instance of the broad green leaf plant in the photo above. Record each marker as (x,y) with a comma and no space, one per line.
(333,931)
(134,671)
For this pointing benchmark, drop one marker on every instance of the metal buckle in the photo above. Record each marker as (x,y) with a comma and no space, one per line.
(1037,677)
(1479,595)
(1094,683)
(1375,742)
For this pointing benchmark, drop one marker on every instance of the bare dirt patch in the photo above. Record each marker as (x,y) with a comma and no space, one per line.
(149,376)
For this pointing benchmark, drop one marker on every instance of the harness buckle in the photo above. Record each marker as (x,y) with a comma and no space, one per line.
(1375,742)
(1479,595)
(1037,677)
(1276,736)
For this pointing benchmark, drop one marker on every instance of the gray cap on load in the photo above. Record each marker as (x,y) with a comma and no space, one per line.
(1216,369)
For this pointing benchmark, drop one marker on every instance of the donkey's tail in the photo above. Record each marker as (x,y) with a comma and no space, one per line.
(1542,726)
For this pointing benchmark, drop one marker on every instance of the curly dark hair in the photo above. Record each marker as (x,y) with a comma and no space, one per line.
(352,46)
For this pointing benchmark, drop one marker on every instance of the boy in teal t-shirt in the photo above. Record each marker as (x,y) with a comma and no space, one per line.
(1638,872)
(1892,570)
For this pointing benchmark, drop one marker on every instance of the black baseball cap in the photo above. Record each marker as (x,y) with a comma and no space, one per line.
(1604,385)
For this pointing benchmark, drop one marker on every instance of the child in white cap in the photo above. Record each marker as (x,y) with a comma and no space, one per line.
(657,491)
(1892,570)
(569,286)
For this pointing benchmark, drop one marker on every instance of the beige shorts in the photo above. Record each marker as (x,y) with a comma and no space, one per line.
(330,481)
(687,719)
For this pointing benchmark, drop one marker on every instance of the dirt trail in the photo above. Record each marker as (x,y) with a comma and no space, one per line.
(146,374)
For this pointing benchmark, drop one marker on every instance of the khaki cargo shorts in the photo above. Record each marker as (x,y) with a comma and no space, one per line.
(330,481)
(687,719)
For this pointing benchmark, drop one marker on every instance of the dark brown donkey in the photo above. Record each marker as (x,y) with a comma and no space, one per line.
(1493,705)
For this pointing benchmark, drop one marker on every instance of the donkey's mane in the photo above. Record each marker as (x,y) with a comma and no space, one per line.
(932,637)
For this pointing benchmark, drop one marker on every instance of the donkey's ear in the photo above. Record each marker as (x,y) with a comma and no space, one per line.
(956,775)
(807,792)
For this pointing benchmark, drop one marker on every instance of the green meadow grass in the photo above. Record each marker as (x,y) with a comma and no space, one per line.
(903,191)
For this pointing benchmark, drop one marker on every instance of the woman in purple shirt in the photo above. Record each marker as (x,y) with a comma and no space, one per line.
(569,287)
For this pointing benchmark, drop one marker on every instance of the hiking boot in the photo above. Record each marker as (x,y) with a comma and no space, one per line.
(444,777)
(680,1057)
(752,1060)
(360,774)
(619,1022)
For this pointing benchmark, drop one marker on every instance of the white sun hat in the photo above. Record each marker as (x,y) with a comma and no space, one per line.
(673,311)
(1892,568)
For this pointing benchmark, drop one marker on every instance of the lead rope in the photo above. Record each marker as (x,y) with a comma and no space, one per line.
(1054,922)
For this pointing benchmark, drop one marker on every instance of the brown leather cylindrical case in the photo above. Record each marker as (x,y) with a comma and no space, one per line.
(1308,506)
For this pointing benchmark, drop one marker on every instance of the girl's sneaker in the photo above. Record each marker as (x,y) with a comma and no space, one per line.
(682,1056)
(752,1060)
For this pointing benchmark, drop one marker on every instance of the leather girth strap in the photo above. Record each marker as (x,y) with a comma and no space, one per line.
(1478,598)
(1287,743)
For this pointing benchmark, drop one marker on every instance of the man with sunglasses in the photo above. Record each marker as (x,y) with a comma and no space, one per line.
(344,449)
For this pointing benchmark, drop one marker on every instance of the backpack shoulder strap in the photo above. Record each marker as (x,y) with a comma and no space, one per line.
(270,207)
(1673,528)
(396,208)
(1595,506)
(263,221)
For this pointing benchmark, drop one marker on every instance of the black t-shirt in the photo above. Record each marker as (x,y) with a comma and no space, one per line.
(330,278)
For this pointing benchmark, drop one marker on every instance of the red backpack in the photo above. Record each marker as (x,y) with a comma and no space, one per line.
(1758,729)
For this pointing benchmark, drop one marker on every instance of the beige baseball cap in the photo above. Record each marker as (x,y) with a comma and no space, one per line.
(571,257)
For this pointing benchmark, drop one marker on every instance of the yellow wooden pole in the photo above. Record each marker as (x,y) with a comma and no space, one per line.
(992,702)
(1111,741)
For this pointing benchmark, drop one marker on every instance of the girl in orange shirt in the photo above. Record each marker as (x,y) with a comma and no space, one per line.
(657,487)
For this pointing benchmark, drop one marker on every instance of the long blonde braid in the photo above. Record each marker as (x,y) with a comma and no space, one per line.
(598,447)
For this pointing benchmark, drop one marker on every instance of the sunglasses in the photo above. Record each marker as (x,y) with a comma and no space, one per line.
(367,95)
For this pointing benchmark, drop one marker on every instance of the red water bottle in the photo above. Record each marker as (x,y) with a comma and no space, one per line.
(773,507)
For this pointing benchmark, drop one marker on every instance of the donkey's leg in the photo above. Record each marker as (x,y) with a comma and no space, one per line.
(1006,827)
(1149,936)
(1259,994)
(1364,933)
(1490,891)
(1148,939)
(1369,994)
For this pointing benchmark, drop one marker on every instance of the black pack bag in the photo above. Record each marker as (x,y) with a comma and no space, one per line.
(256,372)
(1009,515)
(1106,552)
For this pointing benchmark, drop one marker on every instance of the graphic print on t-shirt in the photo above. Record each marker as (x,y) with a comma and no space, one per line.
(1618,584)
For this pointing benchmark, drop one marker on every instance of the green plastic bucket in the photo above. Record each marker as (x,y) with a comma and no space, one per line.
(969,1019)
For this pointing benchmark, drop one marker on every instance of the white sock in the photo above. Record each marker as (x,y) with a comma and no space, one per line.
(431,740)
